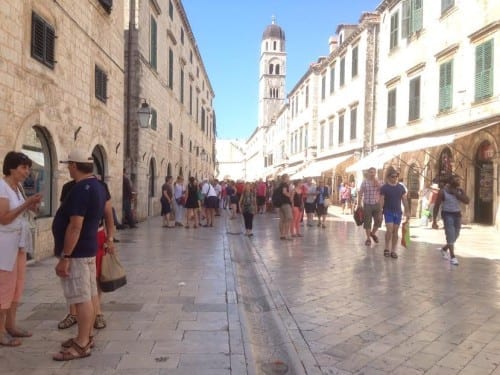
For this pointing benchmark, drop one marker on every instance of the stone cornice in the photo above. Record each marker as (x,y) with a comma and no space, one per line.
(415,69)
(447,52)
(156,6)
(393,81)
(484,31)
(171,36)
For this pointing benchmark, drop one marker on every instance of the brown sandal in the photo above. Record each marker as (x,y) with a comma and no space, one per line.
(68,321)
(67,355)
(387,253)
(394,255)
(67,344)
(8,340)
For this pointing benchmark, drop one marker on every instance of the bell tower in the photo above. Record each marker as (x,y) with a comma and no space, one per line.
(272,73)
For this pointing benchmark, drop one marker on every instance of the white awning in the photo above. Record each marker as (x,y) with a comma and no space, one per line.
(317,168)
(378,157)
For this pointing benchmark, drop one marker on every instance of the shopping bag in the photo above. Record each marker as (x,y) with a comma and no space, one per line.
(112,273)
(359,216)
(405,234)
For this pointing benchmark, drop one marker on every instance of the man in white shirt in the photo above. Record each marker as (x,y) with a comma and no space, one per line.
(218,191)
(210,195)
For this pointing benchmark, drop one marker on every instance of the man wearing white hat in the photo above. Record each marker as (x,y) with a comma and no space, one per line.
(75,229)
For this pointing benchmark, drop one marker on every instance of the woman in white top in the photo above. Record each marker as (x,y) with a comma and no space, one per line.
(15,237)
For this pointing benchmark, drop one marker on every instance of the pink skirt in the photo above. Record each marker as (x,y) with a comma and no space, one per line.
(12,282)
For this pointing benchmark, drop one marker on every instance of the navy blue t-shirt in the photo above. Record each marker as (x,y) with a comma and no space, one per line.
(392,197)
(86,198)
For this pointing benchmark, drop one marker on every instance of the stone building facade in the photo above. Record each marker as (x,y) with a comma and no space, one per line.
(61,87)
(164,68)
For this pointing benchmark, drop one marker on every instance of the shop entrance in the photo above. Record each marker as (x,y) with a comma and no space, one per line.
(483,194)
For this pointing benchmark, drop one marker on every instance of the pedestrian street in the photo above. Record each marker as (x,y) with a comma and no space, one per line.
(212,301)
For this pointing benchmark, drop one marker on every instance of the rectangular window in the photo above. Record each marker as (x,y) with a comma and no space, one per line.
(445,86)
(300,140)
(330,133)
(341,129)
(154,119)
(322,137)
(332,79)
(182,140)
(354,62)
(342,71)
(391,108)
(107,5)
(484,70)
(412,20)
(394,30)
(171,10)
(197,108)
(202,119)
(414,107)
(323,87)
(446,4)
(101,84)
(354,122)
(170,69)
(190,99)
(182,36)
(182,86)
(307,96)
(170,131)
(42,41)
(153,44)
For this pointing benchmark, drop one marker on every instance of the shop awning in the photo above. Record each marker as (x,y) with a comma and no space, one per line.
(317,168)
(380,156)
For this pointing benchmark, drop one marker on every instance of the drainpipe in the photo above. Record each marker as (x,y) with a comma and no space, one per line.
(131,27)
(374,88)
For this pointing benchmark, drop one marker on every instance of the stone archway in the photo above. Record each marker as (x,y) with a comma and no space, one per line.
(151,185)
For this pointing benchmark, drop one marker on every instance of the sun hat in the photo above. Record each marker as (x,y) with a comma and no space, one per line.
(78,156)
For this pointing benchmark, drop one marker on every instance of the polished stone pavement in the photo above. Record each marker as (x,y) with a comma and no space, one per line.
(211,301)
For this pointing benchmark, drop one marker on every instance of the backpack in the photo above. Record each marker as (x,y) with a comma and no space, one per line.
(276,197)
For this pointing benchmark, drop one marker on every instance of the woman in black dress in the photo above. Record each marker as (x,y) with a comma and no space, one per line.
(192,203)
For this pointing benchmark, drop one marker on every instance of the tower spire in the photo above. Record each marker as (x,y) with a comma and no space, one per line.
(273,19)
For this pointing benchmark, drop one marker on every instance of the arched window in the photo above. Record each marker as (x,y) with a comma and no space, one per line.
(277,68)
(413,183)
(99,162)
(271,68)
(37,147)
(274,45)
(152,178)
(169,169)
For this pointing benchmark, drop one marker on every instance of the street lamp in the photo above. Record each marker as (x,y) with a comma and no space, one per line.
(144,114)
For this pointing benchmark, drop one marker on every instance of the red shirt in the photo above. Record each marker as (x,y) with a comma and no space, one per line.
(261,189)
(240,186)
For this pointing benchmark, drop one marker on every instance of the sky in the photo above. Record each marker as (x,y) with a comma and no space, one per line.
(229,32)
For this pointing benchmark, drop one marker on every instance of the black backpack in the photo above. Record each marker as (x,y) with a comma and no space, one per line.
(276,197)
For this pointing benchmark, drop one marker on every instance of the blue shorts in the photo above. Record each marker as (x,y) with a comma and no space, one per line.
(393,217)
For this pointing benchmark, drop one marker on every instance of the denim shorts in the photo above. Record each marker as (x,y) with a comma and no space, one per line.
(452,222)
(393,217)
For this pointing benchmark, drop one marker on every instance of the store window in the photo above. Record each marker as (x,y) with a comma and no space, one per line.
(413,182)
(36,146)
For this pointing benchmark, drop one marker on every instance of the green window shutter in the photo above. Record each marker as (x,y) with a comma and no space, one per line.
(417,15)
(354,122)
(342,71)
(446,4)
(391,108)
(405,19)
(323,89)
(153,44)
(154,119)
(414,104)
(445,86)
(341,129)
(354,62)
(484,70)
(394,30)
(332,80)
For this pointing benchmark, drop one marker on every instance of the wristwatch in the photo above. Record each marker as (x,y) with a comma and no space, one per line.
(65,256)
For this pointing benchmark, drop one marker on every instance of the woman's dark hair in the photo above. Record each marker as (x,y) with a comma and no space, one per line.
(13,160)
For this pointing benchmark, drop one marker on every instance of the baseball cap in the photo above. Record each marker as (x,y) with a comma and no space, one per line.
(78,156)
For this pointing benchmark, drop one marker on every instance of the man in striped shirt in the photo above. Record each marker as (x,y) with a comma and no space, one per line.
(369,199)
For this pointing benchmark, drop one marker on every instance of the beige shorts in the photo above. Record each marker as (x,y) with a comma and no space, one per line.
(81,285)
(286,212)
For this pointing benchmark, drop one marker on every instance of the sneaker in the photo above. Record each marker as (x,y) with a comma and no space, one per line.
(454,261)
(444,254)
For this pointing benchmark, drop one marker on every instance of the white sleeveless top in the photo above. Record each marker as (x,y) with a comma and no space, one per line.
(11,235)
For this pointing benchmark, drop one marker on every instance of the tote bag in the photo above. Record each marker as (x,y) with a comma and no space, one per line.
(112,273)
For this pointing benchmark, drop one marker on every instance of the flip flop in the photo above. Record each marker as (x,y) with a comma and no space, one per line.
(8,340)
(19,332)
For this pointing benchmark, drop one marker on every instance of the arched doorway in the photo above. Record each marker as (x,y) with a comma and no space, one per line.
(169,169)
(483,191)
(151,186)
(99,162)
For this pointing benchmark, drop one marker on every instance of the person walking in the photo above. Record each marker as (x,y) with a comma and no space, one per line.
(74,228)
(310,201)
(15,239)
(297,208)
(248,207)
(285,210)
(166,201)
(192,203)
(128,197)
(392,198)
(233,199)
(346,199)
(449,199)
(211,202)
(369,200)
(179,201)
(322,193)
(261,196)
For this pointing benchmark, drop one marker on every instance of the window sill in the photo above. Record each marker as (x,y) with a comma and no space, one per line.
(413,122)
(479,102)
(445,112)
(448,12)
